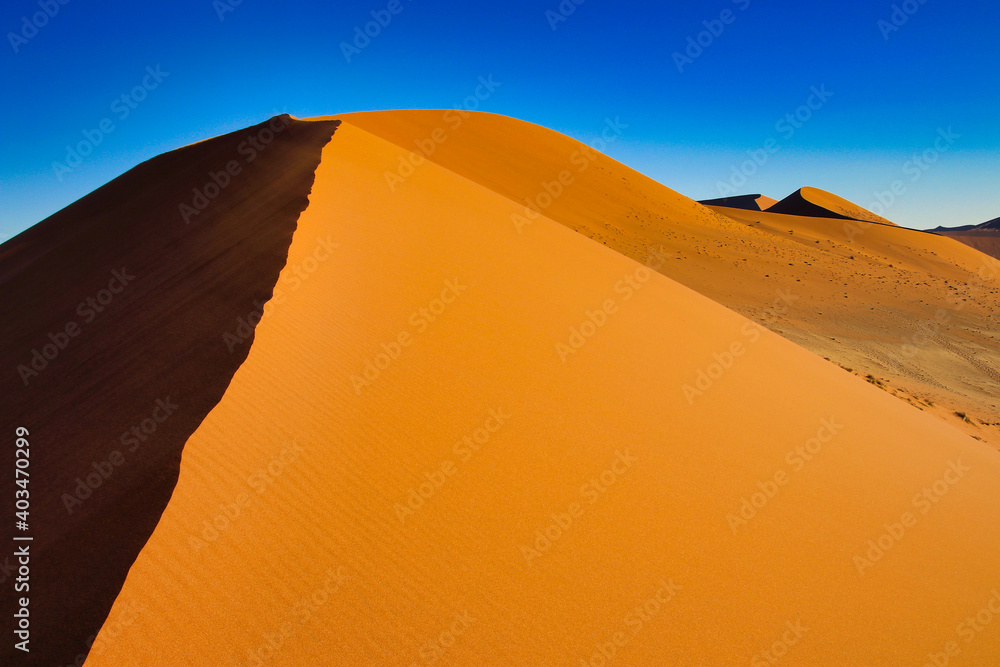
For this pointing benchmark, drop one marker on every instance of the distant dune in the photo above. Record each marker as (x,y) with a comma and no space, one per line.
(984,237)
(990,226)
(816,203)
(747,202)
(985,241)
(509,402)
(765,202)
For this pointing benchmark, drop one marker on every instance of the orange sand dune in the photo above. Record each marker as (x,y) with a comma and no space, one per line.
(455,443)
(818,203)
(867,296)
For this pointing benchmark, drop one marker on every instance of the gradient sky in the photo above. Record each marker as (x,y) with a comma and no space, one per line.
(689,127)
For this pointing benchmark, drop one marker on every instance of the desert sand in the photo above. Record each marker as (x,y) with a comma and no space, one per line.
(483,434)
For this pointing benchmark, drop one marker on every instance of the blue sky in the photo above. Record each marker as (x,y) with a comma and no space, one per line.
(888,90)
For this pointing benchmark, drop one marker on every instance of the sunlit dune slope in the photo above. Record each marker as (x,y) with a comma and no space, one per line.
(918,312)
(817,203)
(113,317)
(748,202)
(430,457)
(764,202)
(868,296)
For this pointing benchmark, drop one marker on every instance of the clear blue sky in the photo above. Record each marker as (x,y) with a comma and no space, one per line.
(689,125)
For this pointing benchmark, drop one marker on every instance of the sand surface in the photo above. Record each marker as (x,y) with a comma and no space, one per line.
(510,485)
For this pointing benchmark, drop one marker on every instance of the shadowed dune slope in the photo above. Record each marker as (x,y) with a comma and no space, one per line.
(865,295)
(817,203)
(429,457)
(130,305)
(747,202)
(982,239)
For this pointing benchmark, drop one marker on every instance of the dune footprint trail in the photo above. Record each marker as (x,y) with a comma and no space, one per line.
(455,443)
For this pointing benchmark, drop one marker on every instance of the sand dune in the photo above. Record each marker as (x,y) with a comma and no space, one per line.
(747,202)
(870,297)
(127,306)
(495,414)
(816,203)
(468,440)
